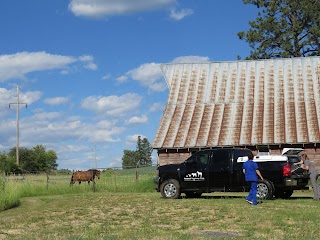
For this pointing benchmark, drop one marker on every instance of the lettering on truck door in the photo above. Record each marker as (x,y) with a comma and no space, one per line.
(195,175)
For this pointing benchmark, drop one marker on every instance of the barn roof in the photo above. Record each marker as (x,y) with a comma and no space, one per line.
(239,103)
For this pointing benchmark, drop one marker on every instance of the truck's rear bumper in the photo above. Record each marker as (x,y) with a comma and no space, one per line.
(290,182)
(296,184)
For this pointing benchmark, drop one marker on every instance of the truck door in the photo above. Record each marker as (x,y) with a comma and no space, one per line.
(194,175)
(220,168)
(238,179)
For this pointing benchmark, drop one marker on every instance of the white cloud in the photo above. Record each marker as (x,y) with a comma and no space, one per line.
(179,15)
(116,162)
(50,127)
(19,64)
(64,72)
(150,75)
(88,62)
(91,66)
(9,97)
(48,115)
(66,135)
(158,86)
(106,124)
(86,58)
(157,107)
(112,105)
(105,8)
(30,97)
(56,101)
(104,135)
(122,79)
(75,148)
(6,97)
(132,139)
(137,120)
(106,77)
(190,59)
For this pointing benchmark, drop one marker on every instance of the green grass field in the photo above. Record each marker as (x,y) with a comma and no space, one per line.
(109,215)
(125,206)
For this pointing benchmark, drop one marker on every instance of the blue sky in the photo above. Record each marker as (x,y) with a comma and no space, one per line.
(89,69)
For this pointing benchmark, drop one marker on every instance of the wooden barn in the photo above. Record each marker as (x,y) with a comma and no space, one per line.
(263,105)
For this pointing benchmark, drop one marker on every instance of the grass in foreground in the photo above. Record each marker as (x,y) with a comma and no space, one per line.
(105,215)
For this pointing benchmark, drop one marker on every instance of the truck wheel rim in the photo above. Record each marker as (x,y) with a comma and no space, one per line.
(262,190)
(170,190)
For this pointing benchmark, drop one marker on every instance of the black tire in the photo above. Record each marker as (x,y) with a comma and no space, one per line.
(170,189)
(284,194)
(193,194)
(265,190)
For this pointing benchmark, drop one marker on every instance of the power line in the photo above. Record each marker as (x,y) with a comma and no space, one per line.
(95,156)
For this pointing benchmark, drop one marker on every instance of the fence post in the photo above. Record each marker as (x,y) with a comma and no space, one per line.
(93,181)
(94,186)
(47,173)
(3,181)
(137,176)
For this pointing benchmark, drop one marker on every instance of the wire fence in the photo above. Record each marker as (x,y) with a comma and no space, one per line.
(110,179)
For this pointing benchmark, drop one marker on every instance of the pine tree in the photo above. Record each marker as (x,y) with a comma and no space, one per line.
(284,28)
(144,150)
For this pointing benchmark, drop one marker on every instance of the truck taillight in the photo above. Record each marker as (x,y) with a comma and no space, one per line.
(287,170)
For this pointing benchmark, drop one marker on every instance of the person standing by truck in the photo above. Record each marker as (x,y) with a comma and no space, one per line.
(251,172)
(313,174)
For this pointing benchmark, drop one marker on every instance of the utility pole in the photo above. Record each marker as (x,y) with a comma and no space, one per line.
(95,156)
(17,123)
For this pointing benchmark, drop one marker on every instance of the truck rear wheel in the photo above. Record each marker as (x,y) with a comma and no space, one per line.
(170,189)
(265,189)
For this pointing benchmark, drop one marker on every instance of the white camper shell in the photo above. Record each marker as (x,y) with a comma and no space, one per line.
(270,158)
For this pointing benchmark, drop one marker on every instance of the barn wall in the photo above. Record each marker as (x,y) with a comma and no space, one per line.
(172,158)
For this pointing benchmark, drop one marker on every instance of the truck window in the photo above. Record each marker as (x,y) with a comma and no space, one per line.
(239,153)
(199,158)
(220,158)
(294,159)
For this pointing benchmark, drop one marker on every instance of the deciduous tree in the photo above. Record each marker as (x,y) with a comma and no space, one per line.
(130,159)
(35,159)
(140,157)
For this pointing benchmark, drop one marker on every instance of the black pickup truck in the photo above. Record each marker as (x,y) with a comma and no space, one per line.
(221,170)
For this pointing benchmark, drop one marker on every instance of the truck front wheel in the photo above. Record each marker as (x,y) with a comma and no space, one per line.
(265,189)
(170,189)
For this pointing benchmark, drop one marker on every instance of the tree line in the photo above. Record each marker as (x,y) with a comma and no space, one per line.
(38,158)
(35,159)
